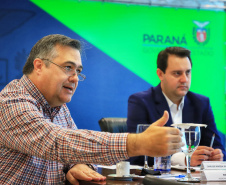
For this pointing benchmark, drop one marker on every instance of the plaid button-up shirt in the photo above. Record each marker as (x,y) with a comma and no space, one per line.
(37,141)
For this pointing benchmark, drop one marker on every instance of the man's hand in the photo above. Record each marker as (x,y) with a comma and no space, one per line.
(156,140)
(216,155)
(202,153)
(83,172)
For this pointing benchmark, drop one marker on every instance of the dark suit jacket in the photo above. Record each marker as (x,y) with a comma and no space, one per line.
(148,106)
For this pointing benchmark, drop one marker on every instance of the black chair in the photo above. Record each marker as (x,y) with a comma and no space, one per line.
(113,125)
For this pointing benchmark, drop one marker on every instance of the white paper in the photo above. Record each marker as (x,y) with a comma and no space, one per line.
(213,175)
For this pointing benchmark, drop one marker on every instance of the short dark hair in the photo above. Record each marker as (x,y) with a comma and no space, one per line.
(45,48)
(164,54)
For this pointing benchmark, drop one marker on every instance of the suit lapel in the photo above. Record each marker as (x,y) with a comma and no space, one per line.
(161,103)
(188,111)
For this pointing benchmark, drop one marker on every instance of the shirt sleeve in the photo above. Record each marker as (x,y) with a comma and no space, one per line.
(207,133)
(178,159)
(24,129)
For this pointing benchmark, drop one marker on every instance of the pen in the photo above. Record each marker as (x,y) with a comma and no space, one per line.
(180,176)
(169,176)
(211,143)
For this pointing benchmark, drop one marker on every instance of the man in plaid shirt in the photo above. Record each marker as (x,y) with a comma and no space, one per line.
(39,141)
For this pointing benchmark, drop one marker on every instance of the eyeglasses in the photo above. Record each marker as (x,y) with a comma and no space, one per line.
(69,70)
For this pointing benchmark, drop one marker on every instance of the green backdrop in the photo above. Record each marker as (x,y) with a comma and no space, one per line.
(133,35)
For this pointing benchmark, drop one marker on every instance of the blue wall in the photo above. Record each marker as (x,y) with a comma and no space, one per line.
(108,85)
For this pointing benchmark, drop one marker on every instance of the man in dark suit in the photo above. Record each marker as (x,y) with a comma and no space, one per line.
(172,94)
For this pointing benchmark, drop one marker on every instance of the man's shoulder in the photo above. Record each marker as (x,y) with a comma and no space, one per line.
(196,97)
(11,87)
(145,93)
(14,91)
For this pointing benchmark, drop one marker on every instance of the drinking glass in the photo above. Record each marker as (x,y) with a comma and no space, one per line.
(191,138)
(141,128)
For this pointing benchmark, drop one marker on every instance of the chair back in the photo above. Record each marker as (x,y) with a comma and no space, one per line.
(113,125)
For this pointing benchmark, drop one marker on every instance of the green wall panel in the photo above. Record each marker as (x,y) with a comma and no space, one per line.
(133,35)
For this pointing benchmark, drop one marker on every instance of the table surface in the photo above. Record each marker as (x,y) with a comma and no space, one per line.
(138,181)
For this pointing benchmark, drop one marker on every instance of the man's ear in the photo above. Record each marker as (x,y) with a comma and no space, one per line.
(160,74)
(38,64)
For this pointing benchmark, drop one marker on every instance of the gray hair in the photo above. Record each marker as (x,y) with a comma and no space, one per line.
(45,48)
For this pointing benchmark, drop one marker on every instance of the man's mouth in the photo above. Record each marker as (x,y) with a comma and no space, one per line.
(183,87)
(69,88)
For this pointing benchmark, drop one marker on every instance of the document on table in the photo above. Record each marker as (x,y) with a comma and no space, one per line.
(114,167)
(184,168)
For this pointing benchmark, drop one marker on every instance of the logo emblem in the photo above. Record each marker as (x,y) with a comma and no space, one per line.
(201,32)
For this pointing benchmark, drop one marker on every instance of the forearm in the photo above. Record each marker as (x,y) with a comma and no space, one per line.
(36,136)
(85,146)
(73,146)
(132,145)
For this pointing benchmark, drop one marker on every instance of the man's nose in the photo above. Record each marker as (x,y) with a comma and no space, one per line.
(74,78)
(184,77)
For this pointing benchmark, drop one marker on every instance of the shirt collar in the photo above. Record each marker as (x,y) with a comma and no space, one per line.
(36,94)
(170,103)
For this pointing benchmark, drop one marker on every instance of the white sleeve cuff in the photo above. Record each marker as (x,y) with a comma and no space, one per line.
(178,159)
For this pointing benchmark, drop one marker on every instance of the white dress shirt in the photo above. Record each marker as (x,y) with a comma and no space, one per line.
(176,113)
